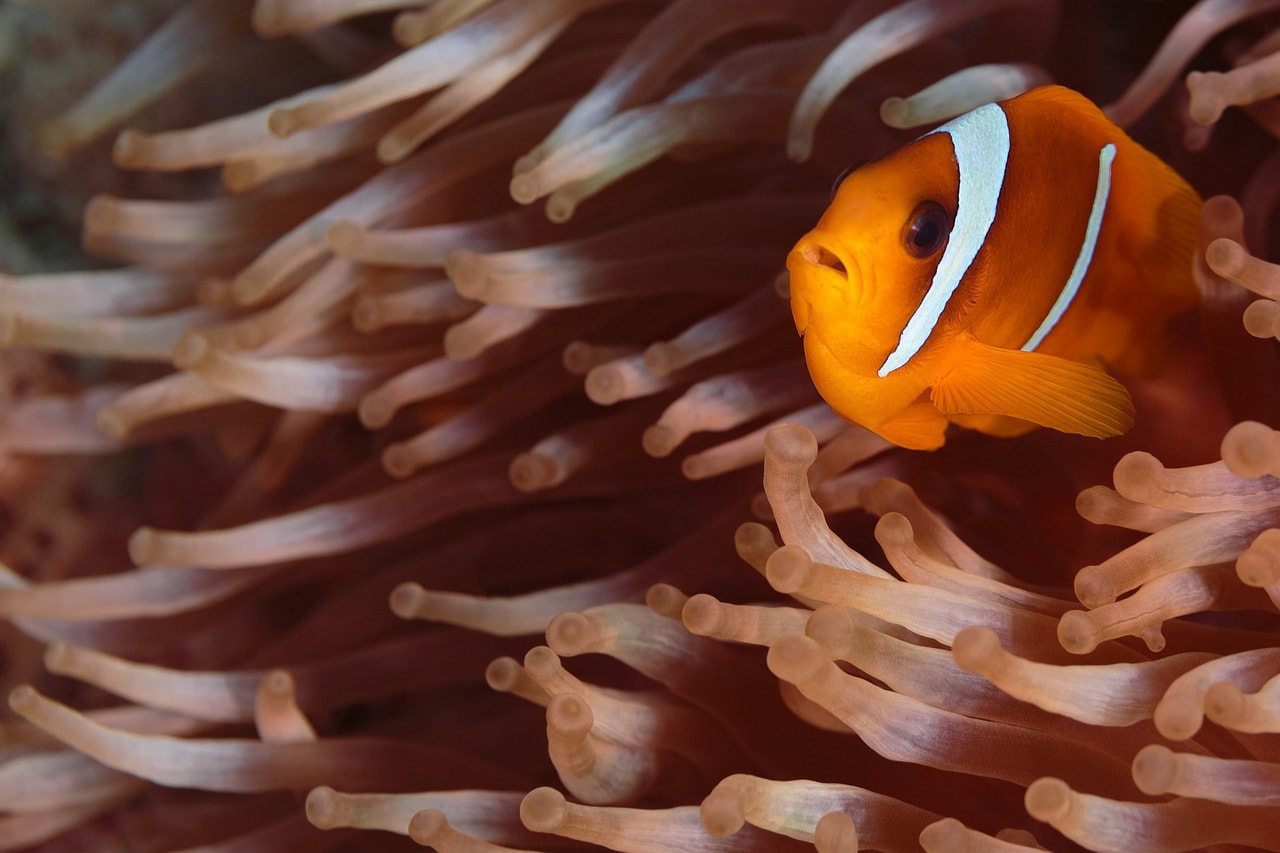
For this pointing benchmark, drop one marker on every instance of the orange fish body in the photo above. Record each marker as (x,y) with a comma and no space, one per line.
(985,272)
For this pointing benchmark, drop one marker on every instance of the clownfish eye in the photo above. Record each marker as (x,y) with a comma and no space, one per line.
(927,229)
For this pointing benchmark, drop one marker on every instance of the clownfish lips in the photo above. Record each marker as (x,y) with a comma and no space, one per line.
(814,267)
(819,255)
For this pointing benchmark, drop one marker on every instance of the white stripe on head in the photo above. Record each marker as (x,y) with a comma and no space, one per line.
(981,142)
(1081,267)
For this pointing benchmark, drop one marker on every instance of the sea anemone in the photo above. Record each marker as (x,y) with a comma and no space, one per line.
(432,344)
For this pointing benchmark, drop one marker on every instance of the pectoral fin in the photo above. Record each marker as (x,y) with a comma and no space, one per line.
(1065,395)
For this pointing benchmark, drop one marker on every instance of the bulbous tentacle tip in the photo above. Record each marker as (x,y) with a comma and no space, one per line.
(278,683)
(835,832)
(751,537)
(1094,586)
(723,810)
(58,657)
(701,614)
(831,627)
(541,662)
(23,700)
(796,659)
(399,460)
(1208,96)
(976,648)
(658,441)
(1179,717)
(570,634)
(569,716)
(1048,799)
(1136,476)
(543,809)
(788,569)
(666,600)
(406,599)
(127,150)
(345,238)
(468,272)
(1251,449)
(1077,633)
(142,545)
(1222,214)
(894,530)
(502,674)
(1155,769)
(531,472)
(427,825)
(322,807)
(525,188)
(1224,703)
(1226,257)
(792,444)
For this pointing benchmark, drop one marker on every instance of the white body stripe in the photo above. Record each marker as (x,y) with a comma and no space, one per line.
(981,142)
(1081,267)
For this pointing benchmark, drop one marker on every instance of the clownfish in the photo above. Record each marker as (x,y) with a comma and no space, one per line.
(985,273)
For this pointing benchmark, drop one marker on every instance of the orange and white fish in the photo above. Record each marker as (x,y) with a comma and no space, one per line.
(985,272)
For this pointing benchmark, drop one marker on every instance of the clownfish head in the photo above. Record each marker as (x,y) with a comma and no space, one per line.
(858,276)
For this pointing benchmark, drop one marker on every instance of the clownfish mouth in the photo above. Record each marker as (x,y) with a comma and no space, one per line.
(815,253)
(812,265)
